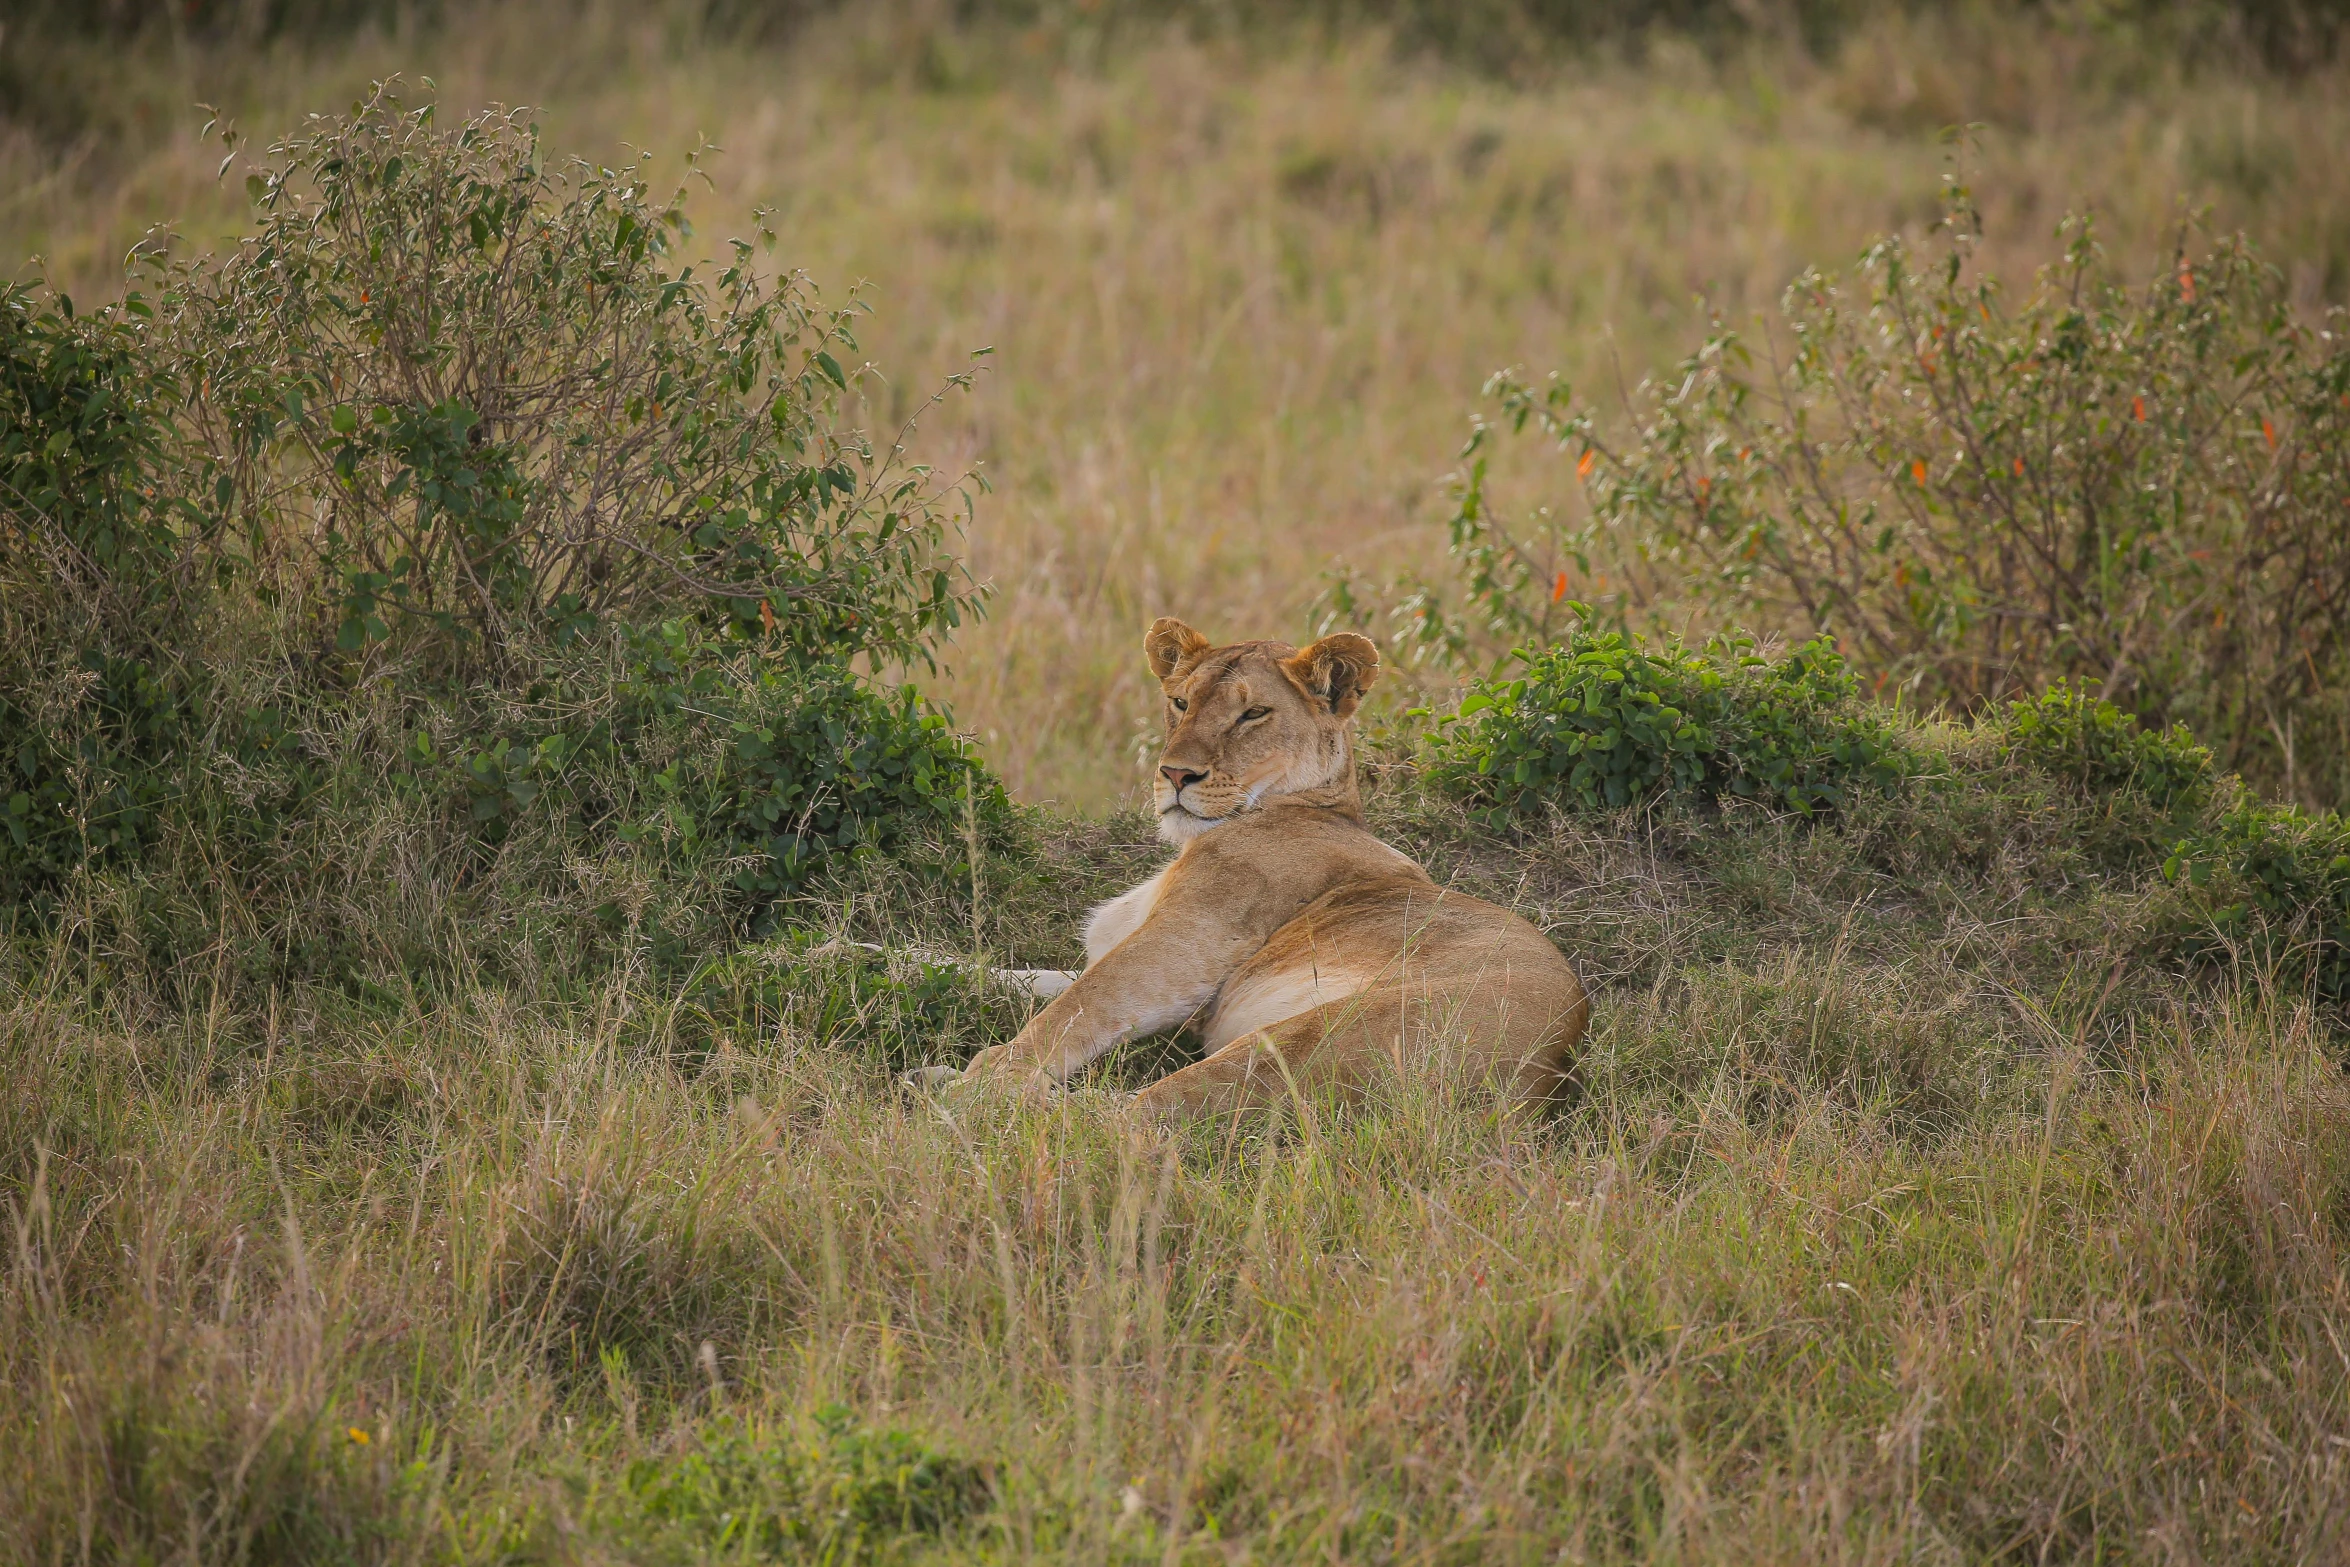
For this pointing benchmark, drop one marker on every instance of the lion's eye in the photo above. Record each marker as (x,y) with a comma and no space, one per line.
(1253,714)
(1181,706)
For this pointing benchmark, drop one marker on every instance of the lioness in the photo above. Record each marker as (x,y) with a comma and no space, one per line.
(1314,951)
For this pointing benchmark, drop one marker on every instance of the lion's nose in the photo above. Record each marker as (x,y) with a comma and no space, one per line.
(1181,777)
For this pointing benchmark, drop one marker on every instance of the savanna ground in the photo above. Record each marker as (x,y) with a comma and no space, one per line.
(1920,1203)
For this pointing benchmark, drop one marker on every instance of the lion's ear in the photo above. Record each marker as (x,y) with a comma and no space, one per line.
(1170,644)
(1335,671)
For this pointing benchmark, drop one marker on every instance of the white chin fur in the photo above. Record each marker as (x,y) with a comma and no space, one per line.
(1177,825)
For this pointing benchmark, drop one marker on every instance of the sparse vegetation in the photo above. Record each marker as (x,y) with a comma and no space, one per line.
(2140,488)
(451,996)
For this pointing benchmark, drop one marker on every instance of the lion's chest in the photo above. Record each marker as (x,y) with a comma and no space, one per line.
(1120,918)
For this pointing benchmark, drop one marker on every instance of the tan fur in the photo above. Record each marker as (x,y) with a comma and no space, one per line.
(1310,952)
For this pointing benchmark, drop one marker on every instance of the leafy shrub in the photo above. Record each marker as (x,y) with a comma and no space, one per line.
(473,398)
(1598,721)
(836,1494)
(761,768)
(458,495)
(97,584)
(720,788)
(2276,885)
(2140,487)
(89,775)
(2101,749)
(847,770)
(84,426)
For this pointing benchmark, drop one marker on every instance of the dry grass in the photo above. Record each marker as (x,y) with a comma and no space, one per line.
(284,1289)
(1241,300)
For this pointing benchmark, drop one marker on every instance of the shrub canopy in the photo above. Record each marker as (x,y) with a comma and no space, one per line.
(473,396)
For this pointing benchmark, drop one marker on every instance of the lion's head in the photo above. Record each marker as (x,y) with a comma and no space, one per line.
(1252,721)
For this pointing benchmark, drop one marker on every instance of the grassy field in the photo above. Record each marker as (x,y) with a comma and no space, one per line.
(1242,296)
(1923,1201)
(1909,1214)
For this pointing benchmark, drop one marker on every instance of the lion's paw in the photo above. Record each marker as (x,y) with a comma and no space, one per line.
(931,1079)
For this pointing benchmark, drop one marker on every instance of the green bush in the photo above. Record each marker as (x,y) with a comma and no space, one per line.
(89,777)
(1598,721)
(84,427)
(474,398)
(733,784)
(99,592)
(2100,749)
(753,770)
(2275,885)
(457,507)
